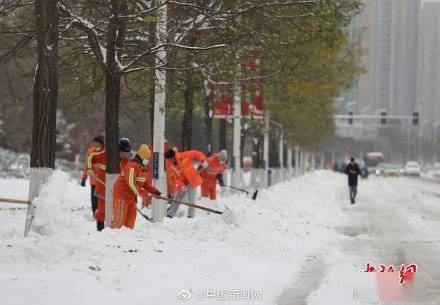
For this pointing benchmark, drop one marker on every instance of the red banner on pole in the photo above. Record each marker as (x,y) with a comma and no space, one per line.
(253,89)
(222,101)
(252,106)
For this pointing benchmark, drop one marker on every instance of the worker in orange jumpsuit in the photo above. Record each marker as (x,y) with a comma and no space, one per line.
(172,188)
(186,177)
(95,146)
(96,168)
(213,172)
(124,148)
(169,176)
(129,185)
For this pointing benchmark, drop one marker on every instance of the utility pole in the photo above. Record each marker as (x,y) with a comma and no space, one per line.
(159,113)
(237,125)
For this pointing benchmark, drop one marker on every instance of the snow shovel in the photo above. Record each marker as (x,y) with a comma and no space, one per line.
(145,216)
(6,200)
(254,195)
(187,204)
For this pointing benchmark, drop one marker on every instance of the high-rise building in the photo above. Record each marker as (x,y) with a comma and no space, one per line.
(374,85)
(428,91)
(389,30)
(404,45)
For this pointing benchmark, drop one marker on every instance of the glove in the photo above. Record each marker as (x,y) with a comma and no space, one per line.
(83,182)
(220,180)
(205,164)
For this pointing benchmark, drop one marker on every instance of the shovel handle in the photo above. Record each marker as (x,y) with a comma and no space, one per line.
(19,201)
(187,204)
(236,188)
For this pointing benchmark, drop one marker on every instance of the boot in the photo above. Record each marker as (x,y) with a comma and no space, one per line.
(100,225)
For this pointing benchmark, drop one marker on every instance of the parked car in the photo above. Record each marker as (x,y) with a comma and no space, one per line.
(412,168)
(392,170)
(378,170)
(364,172)
(340,167)
(433,173)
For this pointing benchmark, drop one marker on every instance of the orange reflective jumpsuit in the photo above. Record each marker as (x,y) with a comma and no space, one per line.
(123,163)
(84,176)
(186,173)
(146,201)
(96,163)
(209,176)
(187,177)
(171,187)
(132,182)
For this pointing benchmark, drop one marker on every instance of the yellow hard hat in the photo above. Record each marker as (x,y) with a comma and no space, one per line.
(144,152)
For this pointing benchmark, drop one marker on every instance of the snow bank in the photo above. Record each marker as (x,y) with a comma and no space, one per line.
(259,248)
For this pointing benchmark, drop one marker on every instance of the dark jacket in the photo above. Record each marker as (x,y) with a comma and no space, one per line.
(353,171)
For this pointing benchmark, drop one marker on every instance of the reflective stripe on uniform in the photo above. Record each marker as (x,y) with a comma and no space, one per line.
(98,165)
(89,161)
(139,179)
(119,223)
(131,182)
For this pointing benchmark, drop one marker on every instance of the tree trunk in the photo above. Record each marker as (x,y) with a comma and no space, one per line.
(222,136)
(112,89)
(44,100)
(188,114)
(151,114)
(256,153)
(115,43)
(208,119)
(45,85)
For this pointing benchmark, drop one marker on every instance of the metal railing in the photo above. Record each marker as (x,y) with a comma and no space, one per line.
(257,178)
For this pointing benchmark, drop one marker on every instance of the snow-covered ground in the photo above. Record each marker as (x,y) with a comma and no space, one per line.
(300,242)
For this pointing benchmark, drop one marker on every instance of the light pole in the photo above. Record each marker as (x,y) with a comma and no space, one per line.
(159,114)
(237,125)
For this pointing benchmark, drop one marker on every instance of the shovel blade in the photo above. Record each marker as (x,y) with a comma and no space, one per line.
(254,196)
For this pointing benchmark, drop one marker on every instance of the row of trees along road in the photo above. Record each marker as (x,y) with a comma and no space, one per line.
(107,52)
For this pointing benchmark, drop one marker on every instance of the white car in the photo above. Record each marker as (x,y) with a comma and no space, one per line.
(412,168)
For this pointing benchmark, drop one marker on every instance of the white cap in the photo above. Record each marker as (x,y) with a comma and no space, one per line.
(222,155)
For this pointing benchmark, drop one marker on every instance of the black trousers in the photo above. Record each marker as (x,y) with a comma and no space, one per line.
(93,199)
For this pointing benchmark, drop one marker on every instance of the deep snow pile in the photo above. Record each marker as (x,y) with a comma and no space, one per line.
(261,250)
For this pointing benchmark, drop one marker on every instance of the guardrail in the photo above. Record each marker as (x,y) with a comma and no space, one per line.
(257,178)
